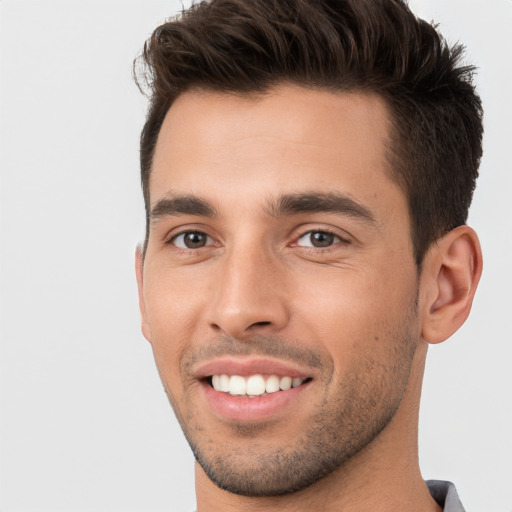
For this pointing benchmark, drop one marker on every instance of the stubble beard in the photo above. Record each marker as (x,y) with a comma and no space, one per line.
(345,423)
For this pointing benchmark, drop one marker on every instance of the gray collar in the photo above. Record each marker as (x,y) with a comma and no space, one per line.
(446,495)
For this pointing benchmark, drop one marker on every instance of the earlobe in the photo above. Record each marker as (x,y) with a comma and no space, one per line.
(139,272)
(450,276)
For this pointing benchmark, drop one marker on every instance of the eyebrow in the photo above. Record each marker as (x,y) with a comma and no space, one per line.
(291,204)
(288,204)
(182,205)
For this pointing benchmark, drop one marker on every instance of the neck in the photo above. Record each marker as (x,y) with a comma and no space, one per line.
(383,477)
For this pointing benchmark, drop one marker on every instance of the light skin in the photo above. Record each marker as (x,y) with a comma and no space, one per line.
(279,244)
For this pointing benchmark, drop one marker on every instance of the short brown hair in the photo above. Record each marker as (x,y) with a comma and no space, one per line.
(374,46)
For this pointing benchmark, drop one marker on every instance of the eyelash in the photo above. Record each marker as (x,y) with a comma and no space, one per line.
(341,240)
(190,250)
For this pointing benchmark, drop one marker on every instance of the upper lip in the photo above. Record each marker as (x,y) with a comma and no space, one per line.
(249,366)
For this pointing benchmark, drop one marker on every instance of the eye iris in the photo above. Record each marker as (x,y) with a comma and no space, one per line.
(194,240)
(321,239)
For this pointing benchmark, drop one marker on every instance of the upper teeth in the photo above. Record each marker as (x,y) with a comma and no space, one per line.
(255,385)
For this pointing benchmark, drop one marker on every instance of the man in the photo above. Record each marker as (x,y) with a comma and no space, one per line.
(307,170)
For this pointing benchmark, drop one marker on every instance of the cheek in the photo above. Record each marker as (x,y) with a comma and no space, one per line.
(173,298)
(350,308)
(173,305)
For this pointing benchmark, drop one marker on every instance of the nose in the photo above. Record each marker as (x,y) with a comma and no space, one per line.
(249,295)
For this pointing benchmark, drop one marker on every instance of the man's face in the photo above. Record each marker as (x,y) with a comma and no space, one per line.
(279,249)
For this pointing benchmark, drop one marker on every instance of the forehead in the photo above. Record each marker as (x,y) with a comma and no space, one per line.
(288,140)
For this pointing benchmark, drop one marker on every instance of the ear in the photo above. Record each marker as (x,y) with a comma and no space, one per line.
(139,272)
(450,275)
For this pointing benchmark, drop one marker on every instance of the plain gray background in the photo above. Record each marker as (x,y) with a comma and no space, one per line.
(85,425)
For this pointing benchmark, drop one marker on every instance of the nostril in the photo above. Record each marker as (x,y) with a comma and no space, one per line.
(260,324)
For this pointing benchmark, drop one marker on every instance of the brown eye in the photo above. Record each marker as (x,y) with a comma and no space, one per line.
(318,239)
(191,240)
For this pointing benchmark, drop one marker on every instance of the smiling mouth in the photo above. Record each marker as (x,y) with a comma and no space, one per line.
(254,386)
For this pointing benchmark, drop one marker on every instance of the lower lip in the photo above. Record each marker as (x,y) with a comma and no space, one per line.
(241,408)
